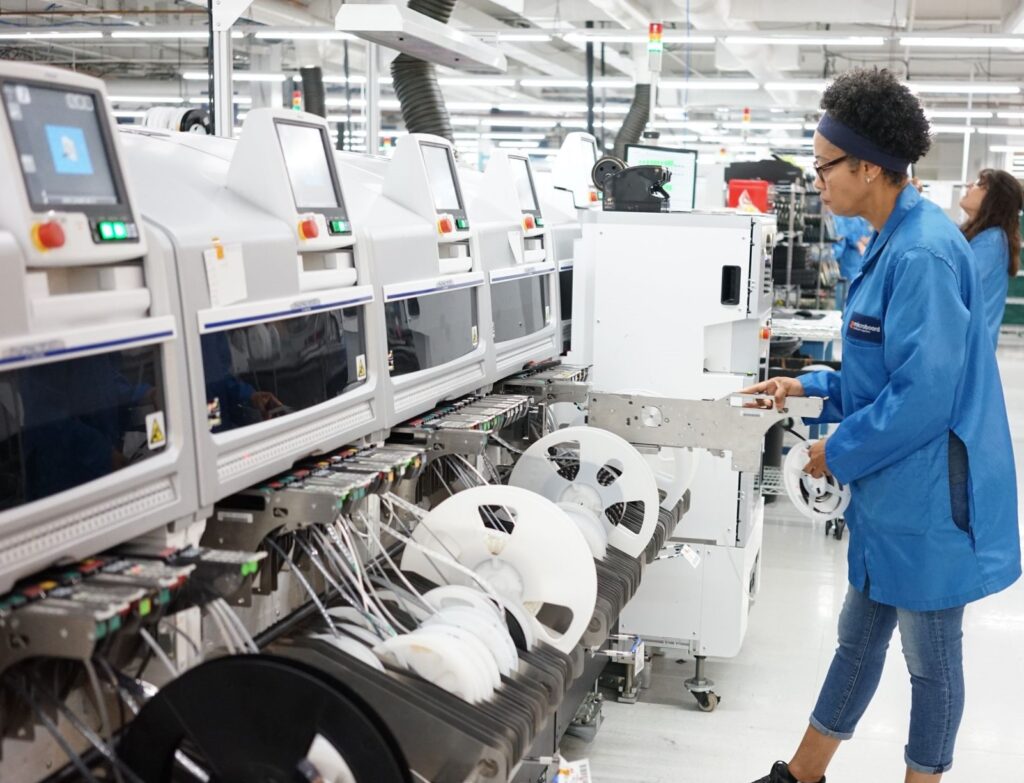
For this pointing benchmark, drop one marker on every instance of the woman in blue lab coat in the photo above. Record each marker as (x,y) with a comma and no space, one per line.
(993,204)
(923,439)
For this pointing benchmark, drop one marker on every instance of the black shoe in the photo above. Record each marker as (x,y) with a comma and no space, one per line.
(780,774)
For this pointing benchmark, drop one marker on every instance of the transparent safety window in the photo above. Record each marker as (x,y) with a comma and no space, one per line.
(67,423)
(520,307)
(431,330)
(261,371)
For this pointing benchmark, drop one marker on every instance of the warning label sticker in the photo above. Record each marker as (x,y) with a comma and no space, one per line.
(361,367)
(156,430)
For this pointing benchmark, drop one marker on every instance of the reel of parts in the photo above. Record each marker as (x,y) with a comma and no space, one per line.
(821,499)
(565,414)
(674,469)
(524,546)
(257,717)
(604,168)
(600,471)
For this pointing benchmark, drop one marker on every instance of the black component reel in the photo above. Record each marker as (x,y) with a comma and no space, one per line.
(254,718)
(604,168)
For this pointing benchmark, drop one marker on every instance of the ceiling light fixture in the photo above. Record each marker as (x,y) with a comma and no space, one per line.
(156,35)
(238,76)
(709,84)
(523,37)
(957,114)
(1001,130)
(798,85)
(476,81)
(66,35)
(314,34)
(965,42)
(967,88)
(808,40)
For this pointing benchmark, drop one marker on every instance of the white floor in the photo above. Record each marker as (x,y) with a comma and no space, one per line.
(769,689)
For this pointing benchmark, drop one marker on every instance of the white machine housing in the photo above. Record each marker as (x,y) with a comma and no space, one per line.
(514,250)
(568,197)
(432,289)
(280,330)
(94,420)
(688,317)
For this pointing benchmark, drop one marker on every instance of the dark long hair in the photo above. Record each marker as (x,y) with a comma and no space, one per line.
(1001,208)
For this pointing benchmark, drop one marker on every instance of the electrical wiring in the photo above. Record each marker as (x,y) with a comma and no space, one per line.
(106,727)
(158,651)
(243,633)
(226,635)
(305,584)
(51,727)
(88,734)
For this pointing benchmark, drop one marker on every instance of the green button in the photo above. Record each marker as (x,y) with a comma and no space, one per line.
(165,596)
(115,623)
(145,607)
(539,222)
(339,226)
(120,232)
(462,223)
(101,631)
(106,230)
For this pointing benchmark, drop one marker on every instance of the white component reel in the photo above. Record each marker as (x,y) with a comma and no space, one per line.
(437,658)
(611,473)
(820,499)
(562,415)
(674,469)
(447,596)
(352,647)
(483,662)
(486,629)
(524,546)
(590,526)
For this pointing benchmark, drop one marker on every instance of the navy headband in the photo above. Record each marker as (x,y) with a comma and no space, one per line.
(857,146)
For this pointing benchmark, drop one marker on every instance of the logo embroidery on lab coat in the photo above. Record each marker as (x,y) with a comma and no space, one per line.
(864,328)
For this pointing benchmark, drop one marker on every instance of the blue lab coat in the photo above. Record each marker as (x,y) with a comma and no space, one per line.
(918,365)
(992,252)
(850,230)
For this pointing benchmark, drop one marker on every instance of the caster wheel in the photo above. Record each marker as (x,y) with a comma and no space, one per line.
(828,528)
(706,701)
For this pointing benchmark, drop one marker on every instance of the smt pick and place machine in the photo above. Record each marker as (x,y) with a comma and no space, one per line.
(279,452)
(95,435)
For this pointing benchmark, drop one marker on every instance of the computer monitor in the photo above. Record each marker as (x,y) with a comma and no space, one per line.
(309,161)
(524,184)
(682,163)
(441,175)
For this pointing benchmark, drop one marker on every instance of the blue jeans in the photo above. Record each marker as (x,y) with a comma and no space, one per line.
(933,652)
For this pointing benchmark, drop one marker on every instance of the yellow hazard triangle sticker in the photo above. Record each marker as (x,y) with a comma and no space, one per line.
(156,430)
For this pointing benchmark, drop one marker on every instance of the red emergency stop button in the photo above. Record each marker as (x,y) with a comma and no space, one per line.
(593,196)
(528,223)
(308,229)
(445,225)
(48,236)
(766,333)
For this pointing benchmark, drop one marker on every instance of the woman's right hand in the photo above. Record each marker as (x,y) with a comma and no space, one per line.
(779,388)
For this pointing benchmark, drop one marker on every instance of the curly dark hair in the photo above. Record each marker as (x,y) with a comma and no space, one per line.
(872,102)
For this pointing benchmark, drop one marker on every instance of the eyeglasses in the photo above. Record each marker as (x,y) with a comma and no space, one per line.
(820,169)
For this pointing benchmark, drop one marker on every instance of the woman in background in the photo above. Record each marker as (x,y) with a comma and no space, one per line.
(993,205)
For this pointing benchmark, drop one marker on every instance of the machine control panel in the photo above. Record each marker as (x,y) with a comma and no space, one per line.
(72,189)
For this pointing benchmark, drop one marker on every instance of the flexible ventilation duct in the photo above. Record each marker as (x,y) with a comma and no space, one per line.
(636,120)
(415,81)
(313,98)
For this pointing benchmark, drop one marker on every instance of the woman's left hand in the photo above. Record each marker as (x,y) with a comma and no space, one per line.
(817,467)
